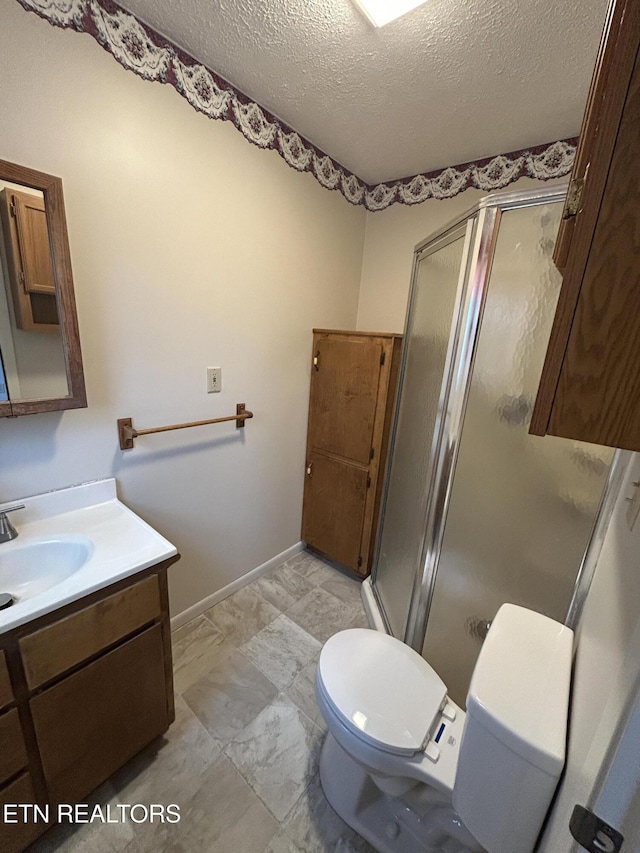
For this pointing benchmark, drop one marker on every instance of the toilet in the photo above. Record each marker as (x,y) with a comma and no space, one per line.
(412,772)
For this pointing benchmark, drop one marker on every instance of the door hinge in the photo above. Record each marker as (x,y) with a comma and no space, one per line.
(592,833)
(372,453)
(316,360)
(359,562)
(383,358)
(12,209)
(368,482)
(573,201)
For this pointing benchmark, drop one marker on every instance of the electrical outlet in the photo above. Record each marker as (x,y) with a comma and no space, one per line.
(214,379)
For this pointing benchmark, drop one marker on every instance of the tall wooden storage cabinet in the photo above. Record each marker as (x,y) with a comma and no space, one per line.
(353,382)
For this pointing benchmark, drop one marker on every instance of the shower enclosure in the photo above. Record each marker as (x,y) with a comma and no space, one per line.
(476,511)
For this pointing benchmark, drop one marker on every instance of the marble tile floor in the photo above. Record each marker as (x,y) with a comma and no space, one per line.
(241,759)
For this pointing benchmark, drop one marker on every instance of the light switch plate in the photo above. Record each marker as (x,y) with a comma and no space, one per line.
(214,379)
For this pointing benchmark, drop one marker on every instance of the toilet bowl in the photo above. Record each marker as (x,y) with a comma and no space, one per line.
(409,770)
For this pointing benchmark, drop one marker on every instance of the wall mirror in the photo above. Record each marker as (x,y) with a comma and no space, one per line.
(40,358)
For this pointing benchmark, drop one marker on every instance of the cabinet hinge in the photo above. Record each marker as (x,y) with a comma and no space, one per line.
(383,358)
(316,360)
(12,209)
(368,482)
(359,562)
(372,453)
(573,201)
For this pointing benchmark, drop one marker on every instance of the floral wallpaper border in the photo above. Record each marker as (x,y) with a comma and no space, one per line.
(140,49)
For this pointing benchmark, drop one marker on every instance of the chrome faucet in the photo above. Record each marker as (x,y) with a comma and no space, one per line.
(7,530)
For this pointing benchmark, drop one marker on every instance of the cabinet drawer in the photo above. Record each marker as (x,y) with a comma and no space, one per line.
(6,693)
(16,836)
(53,650)
(13,753)
(91,723)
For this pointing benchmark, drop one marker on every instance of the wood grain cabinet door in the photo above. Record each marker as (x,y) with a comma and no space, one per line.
(92,722)
(14,837)
(344,394)
(334,504)
(353,379)
(590,384)
(29,262)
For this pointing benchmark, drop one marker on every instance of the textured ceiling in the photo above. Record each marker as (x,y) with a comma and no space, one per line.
(451,82)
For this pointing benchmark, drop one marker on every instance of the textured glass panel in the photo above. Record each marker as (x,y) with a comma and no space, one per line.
(522,507)
(427,339)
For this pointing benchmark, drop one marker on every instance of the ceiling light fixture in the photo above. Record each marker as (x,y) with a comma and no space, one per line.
(381,12)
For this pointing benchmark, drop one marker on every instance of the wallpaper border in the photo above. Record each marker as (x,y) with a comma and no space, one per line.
(141,49)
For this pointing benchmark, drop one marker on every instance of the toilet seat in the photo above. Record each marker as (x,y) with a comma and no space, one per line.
(381,690)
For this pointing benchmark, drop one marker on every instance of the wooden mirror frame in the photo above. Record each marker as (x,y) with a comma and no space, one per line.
(51,187)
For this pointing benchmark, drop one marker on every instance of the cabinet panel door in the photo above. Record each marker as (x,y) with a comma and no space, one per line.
(33,237)
(598,393)
(344,394)
(335,494)
(13,754)
(64,644)
(92,722)
(16,836)
(6,692)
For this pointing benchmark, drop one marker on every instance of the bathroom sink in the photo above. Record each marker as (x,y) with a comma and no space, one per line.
(33,567)
(71,543)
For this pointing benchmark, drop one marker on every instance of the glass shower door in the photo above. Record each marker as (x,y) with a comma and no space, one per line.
(521,507)
(429,339)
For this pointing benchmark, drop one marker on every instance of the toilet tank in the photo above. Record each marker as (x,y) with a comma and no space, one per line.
(515,731)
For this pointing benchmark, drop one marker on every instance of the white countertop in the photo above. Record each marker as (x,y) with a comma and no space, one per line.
(123,543)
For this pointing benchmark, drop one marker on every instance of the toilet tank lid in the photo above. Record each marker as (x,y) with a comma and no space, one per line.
(520,685)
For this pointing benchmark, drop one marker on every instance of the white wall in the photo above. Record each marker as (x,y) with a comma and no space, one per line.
(605,684)
(189,248)
(391,237)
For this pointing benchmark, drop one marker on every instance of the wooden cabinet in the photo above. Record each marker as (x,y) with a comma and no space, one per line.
(92,722)
(353,381)
(590,385)
(28,258)
(82,690)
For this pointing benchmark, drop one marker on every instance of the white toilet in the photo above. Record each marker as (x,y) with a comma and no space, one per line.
(411,772)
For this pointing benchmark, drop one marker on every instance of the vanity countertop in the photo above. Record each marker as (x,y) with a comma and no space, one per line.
(120,544)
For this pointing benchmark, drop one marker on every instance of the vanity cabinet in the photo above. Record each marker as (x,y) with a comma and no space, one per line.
(353,382)
(85,688)
(590,385)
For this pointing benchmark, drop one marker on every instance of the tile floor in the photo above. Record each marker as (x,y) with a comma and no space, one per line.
(241,759)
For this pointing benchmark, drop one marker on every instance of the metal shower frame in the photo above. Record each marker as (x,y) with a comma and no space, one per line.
(480,227)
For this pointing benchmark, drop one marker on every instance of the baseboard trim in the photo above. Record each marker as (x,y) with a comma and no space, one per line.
(190,613)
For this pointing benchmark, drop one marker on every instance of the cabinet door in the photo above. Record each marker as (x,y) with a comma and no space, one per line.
(13,754)
(6,692)
(335,494)
(344,394)
(33,238)
(29,263)
(590,384)
(92,722)
(68,642)
(16,836)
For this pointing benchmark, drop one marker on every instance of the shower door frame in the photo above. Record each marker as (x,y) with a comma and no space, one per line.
(482,224)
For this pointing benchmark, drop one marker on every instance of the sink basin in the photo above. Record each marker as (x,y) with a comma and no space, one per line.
(29,569)
(72,542)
